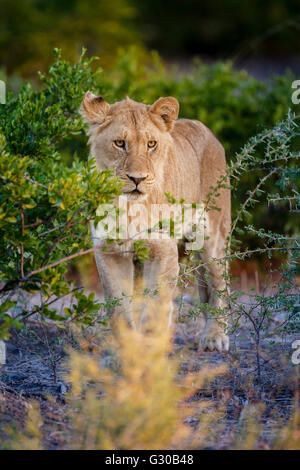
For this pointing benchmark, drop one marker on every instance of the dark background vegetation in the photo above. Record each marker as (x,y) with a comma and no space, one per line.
(220,28)
(231,29)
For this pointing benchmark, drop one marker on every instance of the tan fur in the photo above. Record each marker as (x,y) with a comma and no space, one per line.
(187,161)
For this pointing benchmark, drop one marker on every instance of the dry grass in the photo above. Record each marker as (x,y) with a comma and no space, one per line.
(146,389)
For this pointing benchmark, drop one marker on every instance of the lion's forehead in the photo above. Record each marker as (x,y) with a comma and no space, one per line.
(132,123)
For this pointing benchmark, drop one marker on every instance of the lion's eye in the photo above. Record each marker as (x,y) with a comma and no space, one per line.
(152,144)
(119,143)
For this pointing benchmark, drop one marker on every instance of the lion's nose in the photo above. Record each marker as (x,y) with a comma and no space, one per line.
(137,179)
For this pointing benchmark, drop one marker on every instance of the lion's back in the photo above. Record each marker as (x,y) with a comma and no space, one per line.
(199,157)
(190,134)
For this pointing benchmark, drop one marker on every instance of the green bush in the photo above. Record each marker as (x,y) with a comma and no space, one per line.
(46,205)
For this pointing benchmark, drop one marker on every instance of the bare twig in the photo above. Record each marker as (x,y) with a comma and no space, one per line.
(22,246)
(37,310)
(35,182)
(66,226)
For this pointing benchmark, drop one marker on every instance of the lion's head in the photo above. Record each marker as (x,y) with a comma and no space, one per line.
(132,139)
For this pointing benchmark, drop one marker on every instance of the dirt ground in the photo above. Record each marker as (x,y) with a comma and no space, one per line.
(35,369)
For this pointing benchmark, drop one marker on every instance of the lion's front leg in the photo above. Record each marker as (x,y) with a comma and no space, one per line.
(161,272)
(215,337)
(116,273)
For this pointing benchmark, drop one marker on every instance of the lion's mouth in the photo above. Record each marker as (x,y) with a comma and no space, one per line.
(135,195)
(134,192)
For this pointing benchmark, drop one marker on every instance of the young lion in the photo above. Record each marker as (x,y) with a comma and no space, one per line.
(155,153)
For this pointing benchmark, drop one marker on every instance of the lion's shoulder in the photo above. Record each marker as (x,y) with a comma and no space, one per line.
(194,134)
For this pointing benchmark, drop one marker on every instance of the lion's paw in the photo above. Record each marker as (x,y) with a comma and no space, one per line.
(215,340)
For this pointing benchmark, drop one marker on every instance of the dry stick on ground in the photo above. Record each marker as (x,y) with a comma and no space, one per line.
(53,358)
(22,246)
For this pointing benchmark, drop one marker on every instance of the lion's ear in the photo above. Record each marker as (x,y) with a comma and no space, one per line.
(94,109)
(167,109)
